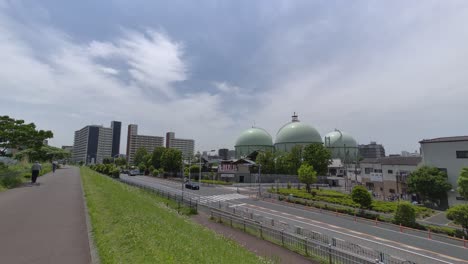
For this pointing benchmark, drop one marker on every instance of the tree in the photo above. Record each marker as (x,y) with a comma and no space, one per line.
(156,157)
(318,156)
(281,163)
(307,175)
(429,182)
(140,156)
(122,162)
(19,135)
(462,183)
(171,160)
(361,196)
(44,153)
(459,215)
(267,160)
(405,214)
(294,159)
(107,161)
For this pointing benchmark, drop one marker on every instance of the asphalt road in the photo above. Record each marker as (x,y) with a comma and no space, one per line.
(406,246)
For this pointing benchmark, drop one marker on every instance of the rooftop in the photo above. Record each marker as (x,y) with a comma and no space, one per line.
(394,160)
(444,139)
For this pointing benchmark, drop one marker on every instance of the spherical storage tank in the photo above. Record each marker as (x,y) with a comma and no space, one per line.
(251,140)
(296,133)
(342,145)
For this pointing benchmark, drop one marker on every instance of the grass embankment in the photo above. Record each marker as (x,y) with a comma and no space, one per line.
(14,175)
(131,225)
(335,197)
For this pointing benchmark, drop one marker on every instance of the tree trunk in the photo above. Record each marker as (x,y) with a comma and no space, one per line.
(308,187)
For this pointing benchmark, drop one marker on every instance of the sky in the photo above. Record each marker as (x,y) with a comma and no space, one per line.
(395,72)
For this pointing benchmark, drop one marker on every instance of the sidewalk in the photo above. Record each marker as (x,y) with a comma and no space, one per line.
(45,223)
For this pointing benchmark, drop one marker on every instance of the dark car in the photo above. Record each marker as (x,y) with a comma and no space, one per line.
(192,186)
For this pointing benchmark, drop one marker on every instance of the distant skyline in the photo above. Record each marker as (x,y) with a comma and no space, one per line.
(393,72)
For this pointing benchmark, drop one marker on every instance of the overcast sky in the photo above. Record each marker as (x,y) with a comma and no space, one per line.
(394,72)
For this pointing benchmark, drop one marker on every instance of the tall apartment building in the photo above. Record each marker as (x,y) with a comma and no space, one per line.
(116,127)
(186,146)
(92,144)
(135,141)
(371,151)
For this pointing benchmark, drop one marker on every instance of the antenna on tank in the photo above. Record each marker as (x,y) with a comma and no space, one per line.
(295,117)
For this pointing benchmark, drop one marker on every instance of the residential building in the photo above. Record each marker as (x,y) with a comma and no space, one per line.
(371,151)
(387,177)
(116,129)
(186,146)
(92,144)
(449,154)
(135,141)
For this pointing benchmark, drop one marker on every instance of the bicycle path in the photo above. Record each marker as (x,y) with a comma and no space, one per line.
(45,223)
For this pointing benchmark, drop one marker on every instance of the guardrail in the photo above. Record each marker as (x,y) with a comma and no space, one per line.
(294,238)
(301,244)
(403,229)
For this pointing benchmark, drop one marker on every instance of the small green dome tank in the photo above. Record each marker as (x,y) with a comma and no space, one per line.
(342,145)
(253,139)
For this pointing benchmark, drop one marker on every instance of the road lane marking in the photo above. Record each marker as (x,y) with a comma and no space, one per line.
(381,244)
(381,228)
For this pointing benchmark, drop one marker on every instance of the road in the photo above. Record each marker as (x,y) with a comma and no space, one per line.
(405,246)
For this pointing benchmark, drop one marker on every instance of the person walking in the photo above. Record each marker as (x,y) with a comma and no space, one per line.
(54,166)
(36,168)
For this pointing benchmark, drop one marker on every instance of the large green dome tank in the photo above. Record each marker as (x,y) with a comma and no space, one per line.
(342,145)
(251,140)
(296,133)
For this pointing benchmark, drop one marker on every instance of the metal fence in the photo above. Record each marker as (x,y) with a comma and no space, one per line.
(186,200)
(301,244)
(303,241)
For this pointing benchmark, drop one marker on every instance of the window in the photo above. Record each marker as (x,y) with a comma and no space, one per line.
(392,190)
(390,171)
(368,170)
(462,154)
(377,171)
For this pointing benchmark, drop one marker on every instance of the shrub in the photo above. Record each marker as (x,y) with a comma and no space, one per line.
(115,173)
(405,215)
(155,172)
(459,215)
(361,196)
(10,181)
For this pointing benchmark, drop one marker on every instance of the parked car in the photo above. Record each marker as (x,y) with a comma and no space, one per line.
(125,171)
(134,172)
(192,186)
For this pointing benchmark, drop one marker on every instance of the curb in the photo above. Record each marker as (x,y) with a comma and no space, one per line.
(92,246)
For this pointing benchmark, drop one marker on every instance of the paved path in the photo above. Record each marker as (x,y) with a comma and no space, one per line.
(45,223)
